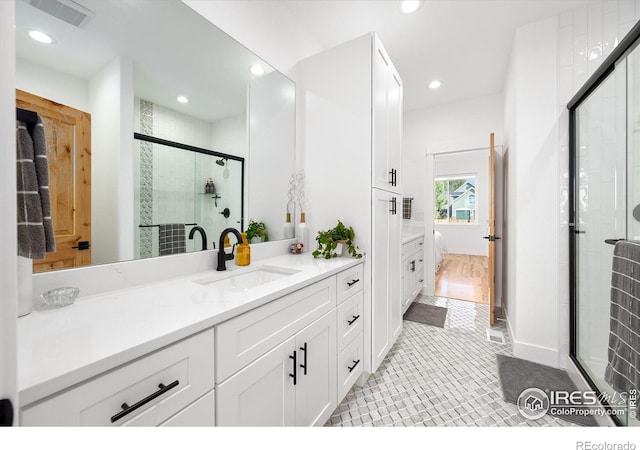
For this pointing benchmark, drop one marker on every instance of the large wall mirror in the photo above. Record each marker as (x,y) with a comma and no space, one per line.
(213,124)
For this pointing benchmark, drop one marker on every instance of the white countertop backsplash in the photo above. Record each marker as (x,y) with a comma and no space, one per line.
(108,327)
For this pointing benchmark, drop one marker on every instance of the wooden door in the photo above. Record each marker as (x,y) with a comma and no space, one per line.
(492,228)
(68,134)
(316,388)
(261,394)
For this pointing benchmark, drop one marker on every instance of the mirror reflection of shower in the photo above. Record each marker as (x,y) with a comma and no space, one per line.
(223,162)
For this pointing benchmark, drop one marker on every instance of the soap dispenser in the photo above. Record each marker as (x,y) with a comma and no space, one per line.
(243,252)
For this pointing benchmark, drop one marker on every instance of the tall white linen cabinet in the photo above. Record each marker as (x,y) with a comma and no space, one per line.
(350,97)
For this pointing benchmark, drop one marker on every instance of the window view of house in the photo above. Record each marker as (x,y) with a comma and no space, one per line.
(455,199)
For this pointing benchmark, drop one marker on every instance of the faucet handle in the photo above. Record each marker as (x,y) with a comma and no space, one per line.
(229,256)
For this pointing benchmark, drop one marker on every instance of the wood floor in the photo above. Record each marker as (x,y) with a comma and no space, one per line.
(463,277)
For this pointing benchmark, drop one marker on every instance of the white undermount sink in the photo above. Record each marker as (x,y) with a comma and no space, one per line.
(244,279)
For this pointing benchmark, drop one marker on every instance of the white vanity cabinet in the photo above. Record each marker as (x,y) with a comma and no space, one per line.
(353,132)
(412,270)
(172,385)
(291,354)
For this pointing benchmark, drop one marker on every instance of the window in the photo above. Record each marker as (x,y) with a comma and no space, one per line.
(455,199)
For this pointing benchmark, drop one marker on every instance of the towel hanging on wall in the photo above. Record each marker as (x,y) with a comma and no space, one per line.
(172,238)
(623,367)
(35,227)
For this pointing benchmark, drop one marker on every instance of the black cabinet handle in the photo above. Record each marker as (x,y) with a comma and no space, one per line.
(352,282)
(350,322)
(413,265)
(394,179)
(420,281)
(126,409)
(355,363)
(421,260)
(393,209)
(304,366)
(6,413)
(295,368)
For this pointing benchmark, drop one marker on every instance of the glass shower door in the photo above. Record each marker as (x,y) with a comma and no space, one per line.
(601,213)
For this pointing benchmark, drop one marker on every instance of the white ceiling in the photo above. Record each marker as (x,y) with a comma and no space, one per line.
(465,44)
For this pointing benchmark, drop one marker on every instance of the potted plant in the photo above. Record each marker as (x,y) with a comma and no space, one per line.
(257,232)
(330,242)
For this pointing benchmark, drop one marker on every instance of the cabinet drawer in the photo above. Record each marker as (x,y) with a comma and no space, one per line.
(201,413)
(97,402)
(350,366)
(245,338)
(350,319)
(349,282)
(412,246)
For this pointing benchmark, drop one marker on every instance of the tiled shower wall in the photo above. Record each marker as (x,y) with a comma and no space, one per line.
(586,36)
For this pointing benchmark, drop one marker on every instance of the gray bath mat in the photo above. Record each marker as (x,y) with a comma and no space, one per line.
(429,314)
(516,375)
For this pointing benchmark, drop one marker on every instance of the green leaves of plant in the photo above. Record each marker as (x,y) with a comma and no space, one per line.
(328,242)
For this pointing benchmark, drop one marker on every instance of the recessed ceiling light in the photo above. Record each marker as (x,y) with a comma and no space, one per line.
(41,37)
(183,99)
(410,6)
(435,84)
(257,70)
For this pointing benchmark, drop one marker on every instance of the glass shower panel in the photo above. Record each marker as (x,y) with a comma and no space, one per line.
(601,213)
(633,164)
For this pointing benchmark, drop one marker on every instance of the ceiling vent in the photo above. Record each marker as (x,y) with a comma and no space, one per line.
(65,10)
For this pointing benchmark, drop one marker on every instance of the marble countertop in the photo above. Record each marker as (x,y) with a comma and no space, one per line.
(410,236)
(61,347)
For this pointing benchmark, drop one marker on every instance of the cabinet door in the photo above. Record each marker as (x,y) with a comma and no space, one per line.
(261,394)
(394,272)
(380,308)
(387,122)
(382,178)
(407,281)
(316,358)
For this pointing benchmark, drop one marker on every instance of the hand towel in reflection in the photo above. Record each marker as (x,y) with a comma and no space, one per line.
(172,238)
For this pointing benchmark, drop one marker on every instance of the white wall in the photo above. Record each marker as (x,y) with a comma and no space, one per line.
(53,85)
(533,172)
(467,238)
(271,142)
(111,106)
(8,236)
(445,128)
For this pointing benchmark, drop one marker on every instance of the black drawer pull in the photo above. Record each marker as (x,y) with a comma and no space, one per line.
(304,366)
(413,266)
(295,368)
(350,322)
(352,282)
(126,409)
(355,363)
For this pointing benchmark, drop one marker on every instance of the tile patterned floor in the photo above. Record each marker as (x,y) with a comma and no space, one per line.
(438,377)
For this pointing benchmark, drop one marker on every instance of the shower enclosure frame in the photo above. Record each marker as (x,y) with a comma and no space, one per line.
(204,151)
(626,45)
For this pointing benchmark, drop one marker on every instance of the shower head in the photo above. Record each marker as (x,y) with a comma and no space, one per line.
(220,162)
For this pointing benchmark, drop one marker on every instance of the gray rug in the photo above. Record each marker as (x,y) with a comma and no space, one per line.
(516,375)
(428,314)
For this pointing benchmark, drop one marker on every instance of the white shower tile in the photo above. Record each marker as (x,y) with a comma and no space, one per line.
(565,85)
(610,6)
(609,33)
(594,24)
(565,49)
(566,18)
(580,21)
(580,56)
(627,11)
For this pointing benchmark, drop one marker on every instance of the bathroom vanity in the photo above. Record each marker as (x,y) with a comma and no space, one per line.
(277,343)
(412,267)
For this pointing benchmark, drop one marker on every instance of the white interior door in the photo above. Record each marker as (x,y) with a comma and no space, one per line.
(429,238)
(8,258)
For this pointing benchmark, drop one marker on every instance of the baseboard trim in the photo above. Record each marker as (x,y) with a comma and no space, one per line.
(530,352)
